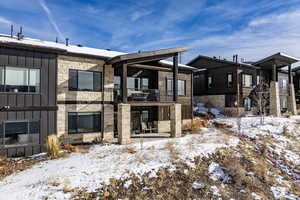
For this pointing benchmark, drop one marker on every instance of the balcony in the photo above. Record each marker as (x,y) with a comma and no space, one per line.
(138,95)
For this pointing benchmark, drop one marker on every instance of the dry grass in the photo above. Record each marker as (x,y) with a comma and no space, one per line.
(54,182)
(196,124)
(174,151)
(53,146)
(129,149)
(222,125)
(66,188)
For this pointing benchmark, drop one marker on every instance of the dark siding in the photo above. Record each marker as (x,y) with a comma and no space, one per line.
(47,97)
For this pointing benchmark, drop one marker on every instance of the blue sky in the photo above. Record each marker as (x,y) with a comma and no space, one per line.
(251,28)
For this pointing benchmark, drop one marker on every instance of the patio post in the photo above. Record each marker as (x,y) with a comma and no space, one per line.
(274,94)
(292,107)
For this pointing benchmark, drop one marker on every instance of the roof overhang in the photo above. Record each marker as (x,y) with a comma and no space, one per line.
(279,59)
(146,56)
(205,62)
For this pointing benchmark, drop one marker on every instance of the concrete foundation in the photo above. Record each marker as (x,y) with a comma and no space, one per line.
(274,99)
(175,117)
(291,100)
(124,123)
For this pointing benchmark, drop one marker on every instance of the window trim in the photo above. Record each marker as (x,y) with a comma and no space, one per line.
(83,132)
(40,76)
(227,82)
(21,145)
(77,90)
(171,79)
(244,74)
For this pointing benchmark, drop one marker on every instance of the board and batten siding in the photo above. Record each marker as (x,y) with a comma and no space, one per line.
(30,106)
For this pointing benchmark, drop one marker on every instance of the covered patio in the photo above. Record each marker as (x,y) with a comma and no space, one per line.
(274,63)
(150,60)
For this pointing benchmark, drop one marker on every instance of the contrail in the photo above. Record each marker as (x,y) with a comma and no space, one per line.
(50,17)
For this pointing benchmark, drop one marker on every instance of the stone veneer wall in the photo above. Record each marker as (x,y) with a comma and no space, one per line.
(216,100)
(63,94)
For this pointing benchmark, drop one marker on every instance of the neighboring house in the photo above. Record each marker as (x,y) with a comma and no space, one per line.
(85,94)
(226,84)
(296,80)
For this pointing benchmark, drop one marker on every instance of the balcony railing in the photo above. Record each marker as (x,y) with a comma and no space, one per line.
(139,95)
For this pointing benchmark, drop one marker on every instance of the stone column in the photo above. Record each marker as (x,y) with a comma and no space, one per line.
(108,132)
(274,99)
(292,107)
(124,123)
(108,109)
(175,117)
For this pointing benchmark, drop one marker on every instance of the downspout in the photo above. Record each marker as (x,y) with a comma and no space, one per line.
(192,95)
(103,93)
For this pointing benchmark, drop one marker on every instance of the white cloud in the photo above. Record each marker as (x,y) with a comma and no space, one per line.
(139,14)
(51,19)
(262,36)
(5,21)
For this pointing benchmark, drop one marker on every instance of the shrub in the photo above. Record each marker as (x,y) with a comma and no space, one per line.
(196,124)
(53,146)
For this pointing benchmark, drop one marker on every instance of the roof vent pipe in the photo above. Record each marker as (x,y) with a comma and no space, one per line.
(67,41)
(11,31)
(20,34)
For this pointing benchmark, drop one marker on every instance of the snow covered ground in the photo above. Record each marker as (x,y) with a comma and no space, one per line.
(48,179)
(286,135)
(103,162)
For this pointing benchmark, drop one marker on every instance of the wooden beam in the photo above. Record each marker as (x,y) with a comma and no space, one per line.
(175,74)
(290,74)
(124,83)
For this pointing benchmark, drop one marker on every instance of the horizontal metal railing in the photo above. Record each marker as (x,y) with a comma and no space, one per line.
(134,95)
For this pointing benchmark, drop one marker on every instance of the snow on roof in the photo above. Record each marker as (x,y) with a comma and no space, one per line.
(170,63)
(30,42)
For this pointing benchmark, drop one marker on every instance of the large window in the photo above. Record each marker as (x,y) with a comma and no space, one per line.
(133,83)
(84,122)
(181,87)
(229,80)
(15,79)
(85,80)
(20,133)
(247,80)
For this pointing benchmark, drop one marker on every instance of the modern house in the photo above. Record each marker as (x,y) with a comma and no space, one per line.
(226,84)
(84,94)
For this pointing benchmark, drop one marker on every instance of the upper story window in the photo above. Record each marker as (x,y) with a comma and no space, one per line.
(169,87)
(209,82)
(247,80)
(16,79)
(181,87)
(85,80)
(229,80)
